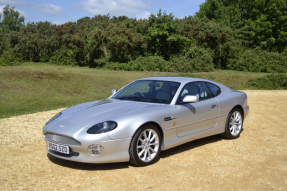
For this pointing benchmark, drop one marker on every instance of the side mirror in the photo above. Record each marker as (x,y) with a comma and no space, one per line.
(114,91)
(190,99)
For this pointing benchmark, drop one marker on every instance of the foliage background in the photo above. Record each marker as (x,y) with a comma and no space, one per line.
(239,35)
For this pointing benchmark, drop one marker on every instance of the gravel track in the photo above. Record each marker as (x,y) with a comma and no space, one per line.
(255,161)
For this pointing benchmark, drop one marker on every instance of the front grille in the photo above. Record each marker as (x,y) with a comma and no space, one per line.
(62,139)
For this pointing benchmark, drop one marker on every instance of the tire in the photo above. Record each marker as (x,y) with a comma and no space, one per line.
(233,128)
(145,146)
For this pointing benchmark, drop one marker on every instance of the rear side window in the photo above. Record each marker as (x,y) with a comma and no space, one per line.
(214,89)
(195,89)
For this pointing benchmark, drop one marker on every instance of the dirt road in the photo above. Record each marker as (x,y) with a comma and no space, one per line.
(255,161)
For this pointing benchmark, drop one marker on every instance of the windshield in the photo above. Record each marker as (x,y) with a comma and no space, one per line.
(149,91)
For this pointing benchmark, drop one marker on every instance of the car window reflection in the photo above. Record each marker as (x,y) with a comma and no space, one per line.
(149,91)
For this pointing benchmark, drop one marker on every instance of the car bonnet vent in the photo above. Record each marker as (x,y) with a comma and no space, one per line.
(62,139)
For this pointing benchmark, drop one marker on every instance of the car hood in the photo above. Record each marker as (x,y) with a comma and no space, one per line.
(95,112)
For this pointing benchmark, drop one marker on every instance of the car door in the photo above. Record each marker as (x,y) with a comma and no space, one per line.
(199,116)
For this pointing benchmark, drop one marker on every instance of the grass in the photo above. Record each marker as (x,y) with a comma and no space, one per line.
(34,87)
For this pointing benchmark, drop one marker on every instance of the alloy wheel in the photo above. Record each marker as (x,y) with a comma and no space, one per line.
(148,145)
(235,123)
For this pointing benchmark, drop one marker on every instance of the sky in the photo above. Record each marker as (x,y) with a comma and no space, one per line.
(62,11)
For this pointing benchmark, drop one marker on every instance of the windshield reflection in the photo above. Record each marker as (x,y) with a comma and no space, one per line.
(154,91)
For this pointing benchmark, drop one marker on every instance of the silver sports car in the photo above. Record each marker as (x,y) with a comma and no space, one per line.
(144,118)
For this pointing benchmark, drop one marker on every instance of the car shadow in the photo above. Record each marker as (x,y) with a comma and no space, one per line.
(87,166)
(190,145)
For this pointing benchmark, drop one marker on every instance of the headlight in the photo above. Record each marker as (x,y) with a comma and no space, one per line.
(102,127)
(53,118)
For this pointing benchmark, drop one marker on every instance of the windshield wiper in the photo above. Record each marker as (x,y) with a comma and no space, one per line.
(129,97)
(137,97)
(158,99)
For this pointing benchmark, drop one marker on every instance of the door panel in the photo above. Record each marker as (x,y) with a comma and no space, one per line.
(199,116)
(195,117)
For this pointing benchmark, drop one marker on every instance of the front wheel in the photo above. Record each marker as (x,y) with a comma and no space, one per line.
(234,124)
(145,146)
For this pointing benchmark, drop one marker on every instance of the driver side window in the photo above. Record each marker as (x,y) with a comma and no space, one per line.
(195,89)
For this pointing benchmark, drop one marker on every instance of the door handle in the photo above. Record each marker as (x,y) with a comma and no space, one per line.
(213,106)
(169,118)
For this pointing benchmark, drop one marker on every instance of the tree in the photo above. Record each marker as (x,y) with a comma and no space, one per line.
(12,21)
(81,20)
(260,23)
(162,38)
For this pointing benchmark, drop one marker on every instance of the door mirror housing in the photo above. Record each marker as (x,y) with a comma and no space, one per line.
(114,91)
(190,99)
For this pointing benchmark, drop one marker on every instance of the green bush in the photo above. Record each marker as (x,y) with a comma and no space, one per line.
(45,58)
(64,57)
(191,60)
(194,59)
(99,62)
(10,58)
(278,81)
(258,61)
(149,63)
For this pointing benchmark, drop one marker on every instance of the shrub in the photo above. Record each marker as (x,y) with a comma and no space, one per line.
(99,62)
(194,59)
(45,58)
(10,58)
(149,63)
(258,61)
(278,81)
(64,57)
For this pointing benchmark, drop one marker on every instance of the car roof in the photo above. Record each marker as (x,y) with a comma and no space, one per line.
(175,79)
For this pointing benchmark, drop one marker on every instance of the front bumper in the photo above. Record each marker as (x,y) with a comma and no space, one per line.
(114,150)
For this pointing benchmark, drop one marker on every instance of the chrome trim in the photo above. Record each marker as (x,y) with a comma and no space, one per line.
(62,139)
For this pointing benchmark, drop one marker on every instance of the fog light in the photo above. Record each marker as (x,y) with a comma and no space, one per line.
(95,150)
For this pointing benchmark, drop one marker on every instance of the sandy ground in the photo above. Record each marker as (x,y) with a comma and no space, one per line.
(255,161)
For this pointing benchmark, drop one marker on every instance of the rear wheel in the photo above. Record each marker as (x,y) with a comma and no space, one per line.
(234,124)
(145,146)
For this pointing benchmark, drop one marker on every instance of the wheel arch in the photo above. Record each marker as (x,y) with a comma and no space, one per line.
(155,124)
(241,109)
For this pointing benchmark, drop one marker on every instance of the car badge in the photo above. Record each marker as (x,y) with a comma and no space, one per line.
(62,126)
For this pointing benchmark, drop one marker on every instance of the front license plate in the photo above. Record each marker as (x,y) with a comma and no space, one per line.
(59,148)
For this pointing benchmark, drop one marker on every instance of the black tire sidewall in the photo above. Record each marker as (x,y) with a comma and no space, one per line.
(134,145)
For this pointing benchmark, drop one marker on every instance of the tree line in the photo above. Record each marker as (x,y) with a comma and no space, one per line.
(244,35)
